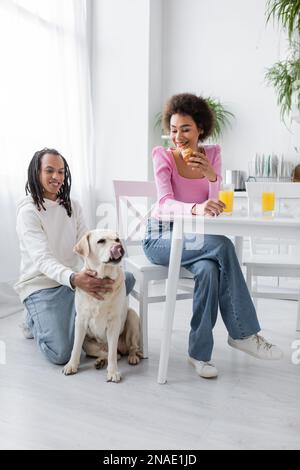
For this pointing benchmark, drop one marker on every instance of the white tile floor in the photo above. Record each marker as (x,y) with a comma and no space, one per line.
(252,405)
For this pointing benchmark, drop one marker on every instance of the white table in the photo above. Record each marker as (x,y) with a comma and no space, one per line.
(229,225)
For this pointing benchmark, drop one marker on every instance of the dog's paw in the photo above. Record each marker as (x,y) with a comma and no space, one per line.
(113,376)
(70,369)
(100,363)
(133,359)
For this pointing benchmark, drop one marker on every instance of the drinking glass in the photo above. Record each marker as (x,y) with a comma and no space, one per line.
(268,202)
(226,195)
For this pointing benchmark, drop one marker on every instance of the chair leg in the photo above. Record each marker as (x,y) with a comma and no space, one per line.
(249,285)
(298,316)
(254,289)
(143,312)
(249,279)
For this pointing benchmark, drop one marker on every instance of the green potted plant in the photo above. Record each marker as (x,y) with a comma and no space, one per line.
(222,115)
(223,118)
(284,76)
(286,12)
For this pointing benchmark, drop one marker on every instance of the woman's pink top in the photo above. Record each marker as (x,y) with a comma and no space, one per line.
(177,194)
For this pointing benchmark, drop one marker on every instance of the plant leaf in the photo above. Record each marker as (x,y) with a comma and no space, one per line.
(286,12)
(223,117)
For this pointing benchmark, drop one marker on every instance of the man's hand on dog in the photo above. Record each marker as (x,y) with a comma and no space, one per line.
(89,282)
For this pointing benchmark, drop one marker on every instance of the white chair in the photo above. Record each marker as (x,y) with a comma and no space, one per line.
(276,258)
(142,269)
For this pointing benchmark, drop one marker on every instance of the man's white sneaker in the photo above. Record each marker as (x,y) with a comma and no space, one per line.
(257,347)
(207,370)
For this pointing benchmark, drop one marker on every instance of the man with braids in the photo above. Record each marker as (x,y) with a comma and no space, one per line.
(49,224)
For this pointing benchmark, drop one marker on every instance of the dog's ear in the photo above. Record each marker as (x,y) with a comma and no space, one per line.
(82,248)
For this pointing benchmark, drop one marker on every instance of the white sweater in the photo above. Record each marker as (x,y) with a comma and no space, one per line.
(47,238)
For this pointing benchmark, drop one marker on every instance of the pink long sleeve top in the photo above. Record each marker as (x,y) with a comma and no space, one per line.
(178,194)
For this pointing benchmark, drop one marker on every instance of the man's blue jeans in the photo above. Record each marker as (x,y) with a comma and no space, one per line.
(51,318)
(219,281)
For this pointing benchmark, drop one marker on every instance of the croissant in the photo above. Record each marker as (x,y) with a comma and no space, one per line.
(186,154)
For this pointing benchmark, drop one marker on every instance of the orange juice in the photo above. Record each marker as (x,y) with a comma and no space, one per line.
(227,198)
(268,201)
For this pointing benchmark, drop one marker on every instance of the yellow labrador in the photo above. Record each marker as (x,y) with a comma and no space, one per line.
(102,327)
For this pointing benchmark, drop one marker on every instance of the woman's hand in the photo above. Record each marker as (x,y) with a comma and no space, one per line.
(89,282)
(210,207)
(200,160)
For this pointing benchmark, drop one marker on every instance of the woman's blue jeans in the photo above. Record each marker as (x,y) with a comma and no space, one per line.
(51,318)
(219,281)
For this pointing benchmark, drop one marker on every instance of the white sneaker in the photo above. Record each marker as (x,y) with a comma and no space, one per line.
(257,347)
(207,370)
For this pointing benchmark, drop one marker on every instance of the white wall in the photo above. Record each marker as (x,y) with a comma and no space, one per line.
(120,68)
(155,76)
(146,50)
(222,48)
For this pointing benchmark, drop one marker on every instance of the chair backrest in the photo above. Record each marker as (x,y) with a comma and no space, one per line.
(128,197)
(284,194)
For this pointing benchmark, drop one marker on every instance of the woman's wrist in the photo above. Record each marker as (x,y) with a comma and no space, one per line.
(212,177)
(197,209)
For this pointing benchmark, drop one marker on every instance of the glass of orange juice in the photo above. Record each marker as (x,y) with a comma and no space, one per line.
(268,201)
(226,195)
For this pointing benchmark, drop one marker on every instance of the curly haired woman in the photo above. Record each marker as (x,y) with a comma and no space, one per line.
(191,187)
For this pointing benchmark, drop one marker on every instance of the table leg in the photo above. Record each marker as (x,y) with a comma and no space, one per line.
(171,291)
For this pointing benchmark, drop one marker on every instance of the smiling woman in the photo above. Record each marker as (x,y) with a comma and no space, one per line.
(219,281)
